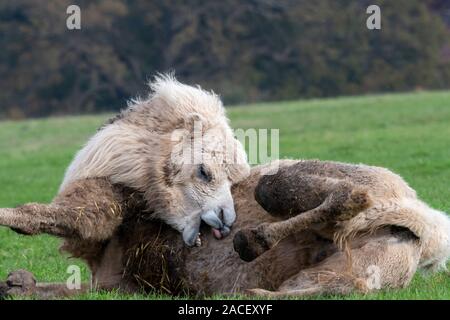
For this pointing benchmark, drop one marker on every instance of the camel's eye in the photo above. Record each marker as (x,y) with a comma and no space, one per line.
(204,174)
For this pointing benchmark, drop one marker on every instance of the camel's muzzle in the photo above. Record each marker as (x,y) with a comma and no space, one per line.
(221,221)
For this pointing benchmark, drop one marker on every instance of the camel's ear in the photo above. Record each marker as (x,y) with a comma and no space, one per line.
(194,122)
(238,167)
(186,139)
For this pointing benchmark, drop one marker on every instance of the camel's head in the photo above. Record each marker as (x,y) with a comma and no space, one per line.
(204,163)
(175,147)
(202,159)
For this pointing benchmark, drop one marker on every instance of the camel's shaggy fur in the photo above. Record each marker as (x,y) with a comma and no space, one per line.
(329,228)
(362,198)
(175,147)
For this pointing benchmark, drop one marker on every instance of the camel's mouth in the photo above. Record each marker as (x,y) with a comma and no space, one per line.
(216,233)
(216,221)
(220,233)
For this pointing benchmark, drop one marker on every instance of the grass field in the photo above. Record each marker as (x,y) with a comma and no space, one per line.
(408,133)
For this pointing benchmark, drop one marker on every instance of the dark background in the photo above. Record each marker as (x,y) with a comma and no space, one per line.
(245,50)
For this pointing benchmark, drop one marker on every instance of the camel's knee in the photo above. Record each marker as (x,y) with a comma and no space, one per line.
(347,200)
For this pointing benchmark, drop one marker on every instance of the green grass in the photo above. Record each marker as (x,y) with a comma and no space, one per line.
(408,133)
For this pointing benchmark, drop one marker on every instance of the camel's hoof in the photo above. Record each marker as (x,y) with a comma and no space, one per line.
(249,244)
(20,282)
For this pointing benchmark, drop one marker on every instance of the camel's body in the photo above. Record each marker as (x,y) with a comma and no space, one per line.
(387,238)
(174,157)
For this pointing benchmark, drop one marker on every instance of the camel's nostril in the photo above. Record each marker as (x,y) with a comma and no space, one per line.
(220,214)
(212,219)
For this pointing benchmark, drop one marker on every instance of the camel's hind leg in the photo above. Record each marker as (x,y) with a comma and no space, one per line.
(107,275)
(90,209)
(342,201)
(23,283)
(386,260)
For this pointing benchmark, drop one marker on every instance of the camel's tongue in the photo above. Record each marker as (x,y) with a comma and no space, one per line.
(216,233)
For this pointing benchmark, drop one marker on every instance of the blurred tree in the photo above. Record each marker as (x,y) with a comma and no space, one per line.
(246,50)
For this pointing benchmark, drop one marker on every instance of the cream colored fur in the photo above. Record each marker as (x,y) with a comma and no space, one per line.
(431,226)
(139,150)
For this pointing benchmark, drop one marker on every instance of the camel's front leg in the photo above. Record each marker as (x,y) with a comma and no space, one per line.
(86,222)
(343,202)
(31,219)
(90,209)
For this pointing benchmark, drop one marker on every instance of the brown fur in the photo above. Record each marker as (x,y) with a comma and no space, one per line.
(147,255)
